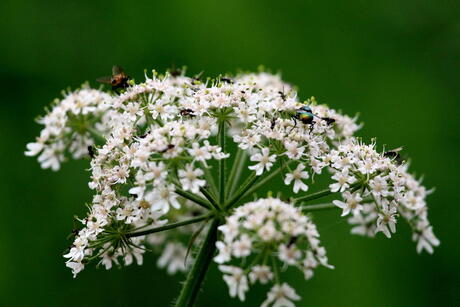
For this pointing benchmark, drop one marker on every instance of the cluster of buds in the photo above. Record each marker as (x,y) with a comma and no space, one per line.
(161,152)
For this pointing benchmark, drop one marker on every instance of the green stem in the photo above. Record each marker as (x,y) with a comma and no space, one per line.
(276,270)
(237,169)
(209,179)
(222,176)
(248,190)
(195,198)
(209,197)
(96,134)
(241,191)
(169,226)
(323,193)
(195,277)
(313,196)
(318,207)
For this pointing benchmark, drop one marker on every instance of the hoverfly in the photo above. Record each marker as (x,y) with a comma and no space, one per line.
(394,155)
(118,80)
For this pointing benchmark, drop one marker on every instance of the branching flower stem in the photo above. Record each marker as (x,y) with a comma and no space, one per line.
(251,187)
(237,169)
(194,198)
(192,285)
(222,177)
(318,207)
(319,194)
(209,197)
(170,226)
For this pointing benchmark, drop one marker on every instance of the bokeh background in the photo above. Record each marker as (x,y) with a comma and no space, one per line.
(397,63)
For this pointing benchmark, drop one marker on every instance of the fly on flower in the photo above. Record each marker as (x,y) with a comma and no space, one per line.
(118,80)
(306,116)
(394,154)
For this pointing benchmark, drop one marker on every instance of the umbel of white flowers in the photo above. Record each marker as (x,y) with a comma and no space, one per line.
(179,154)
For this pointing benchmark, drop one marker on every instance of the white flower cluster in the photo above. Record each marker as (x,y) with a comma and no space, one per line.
(69,126)
(265,234)
(159,148)
(381,188)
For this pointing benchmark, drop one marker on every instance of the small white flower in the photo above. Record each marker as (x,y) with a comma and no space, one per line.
(289,254)
(242,247)
(163,197)
(236,281)
(173,257)
(225,252)
(75,266)
(189,178)
(343,181)
(386,221)
(260,273)
(281,296)
(265,161)
(351,204)
(297,175)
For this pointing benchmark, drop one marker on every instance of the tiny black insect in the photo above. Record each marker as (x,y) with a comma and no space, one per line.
(226,80)
(91,151)
(394,154)
(170,146)
(187,112)
(292,240)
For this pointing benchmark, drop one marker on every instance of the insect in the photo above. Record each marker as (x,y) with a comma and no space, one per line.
(292,240)
(91,151)
(306,116)
(175,72)
(273,123)
(198,76)
(187,112)
(394,154)
(226,80)
(168,147)
(118,80)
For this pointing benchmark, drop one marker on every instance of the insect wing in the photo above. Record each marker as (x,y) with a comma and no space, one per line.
(106,79)
(116,70)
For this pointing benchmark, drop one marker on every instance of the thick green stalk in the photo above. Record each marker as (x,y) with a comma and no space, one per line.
(169,226)
(195,277)
(222,175)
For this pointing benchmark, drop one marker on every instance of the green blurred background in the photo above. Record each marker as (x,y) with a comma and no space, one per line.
(397,63)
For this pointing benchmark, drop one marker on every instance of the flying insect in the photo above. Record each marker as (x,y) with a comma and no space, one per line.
(118,80)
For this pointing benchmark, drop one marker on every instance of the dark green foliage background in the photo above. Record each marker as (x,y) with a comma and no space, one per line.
(395,62)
